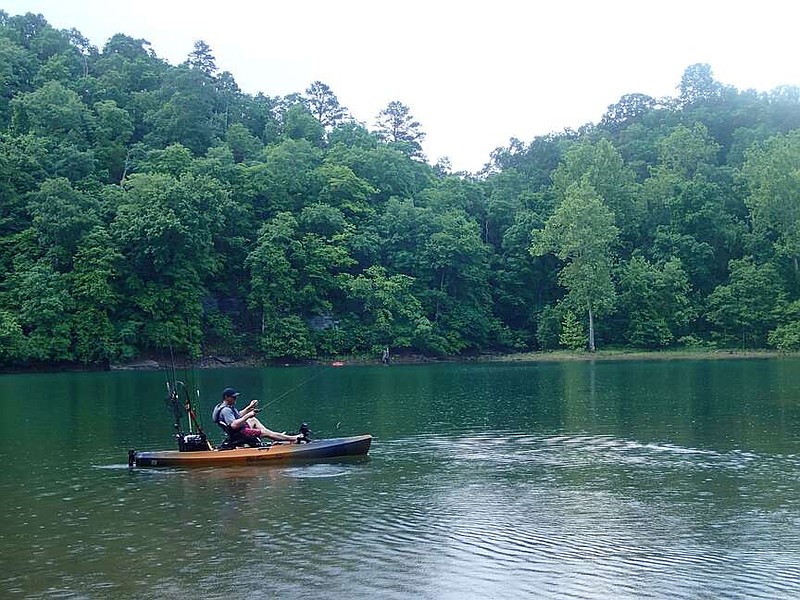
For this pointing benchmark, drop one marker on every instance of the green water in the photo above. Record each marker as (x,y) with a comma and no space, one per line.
(651,479)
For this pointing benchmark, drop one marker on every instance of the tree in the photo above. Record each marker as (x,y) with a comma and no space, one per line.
(113,132)
(390,172)
(693,209)
(243,144)
(129,72)
(296,276)
(747,307)
(698,85)
(201,59)
(283,180)
(43,302)
(573,335)
(175,160)
(300,124)
(168,229)
(351,134)
(654,299)
(773,181)
(630,108)
(321,255)
(582,233)
(324,105)
(12,340)
(786,336)
(188,112)
(94,286)
(443,251)
(687,150)
(17,66)
(274,290)
(397,126)
(386,311)
(61,217)
(343,189)
(53,110)
(601,165)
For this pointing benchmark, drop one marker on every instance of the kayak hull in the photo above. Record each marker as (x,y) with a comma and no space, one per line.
(276,453)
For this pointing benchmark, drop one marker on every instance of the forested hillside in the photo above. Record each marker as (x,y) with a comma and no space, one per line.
(147,206)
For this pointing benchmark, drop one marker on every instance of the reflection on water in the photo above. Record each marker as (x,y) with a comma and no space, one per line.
(543,482)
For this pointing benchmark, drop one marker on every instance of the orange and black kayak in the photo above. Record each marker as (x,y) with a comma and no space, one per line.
(278,452)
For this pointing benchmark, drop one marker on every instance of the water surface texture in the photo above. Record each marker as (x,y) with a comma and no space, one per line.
(651,479)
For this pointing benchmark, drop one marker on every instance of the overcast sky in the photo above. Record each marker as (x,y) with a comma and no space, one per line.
(473,73)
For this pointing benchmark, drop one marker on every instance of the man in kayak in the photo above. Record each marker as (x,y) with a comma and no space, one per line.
(243,427)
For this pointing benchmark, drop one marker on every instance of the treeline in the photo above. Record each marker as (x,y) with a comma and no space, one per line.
(148,206)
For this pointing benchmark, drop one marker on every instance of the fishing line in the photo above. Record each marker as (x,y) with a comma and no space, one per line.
(319,372)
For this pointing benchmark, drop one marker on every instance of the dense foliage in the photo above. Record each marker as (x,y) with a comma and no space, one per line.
(148,206)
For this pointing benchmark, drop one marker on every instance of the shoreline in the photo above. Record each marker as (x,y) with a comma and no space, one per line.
(217,362)
(224,362)
(565,356)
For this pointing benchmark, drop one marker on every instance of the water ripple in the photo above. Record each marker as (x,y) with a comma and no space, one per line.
(638,531)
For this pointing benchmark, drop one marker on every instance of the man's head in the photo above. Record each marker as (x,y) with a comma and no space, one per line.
(229,395)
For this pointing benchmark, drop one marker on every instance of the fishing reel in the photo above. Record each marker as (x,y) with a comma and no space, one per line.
(305,432)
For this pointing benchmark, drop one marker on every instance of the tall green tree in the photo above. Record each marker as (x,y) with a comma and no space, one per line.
(62,216)
(324,105)
(53,110)
(655,301)
(746,308)
(694,210)
(699,85)
(168,228)
(41,297)
(202,59)
(95,287)
(601,165)
(582,233)
(300,124)
(385,312)
(772,174)
(274,277)
(398,126)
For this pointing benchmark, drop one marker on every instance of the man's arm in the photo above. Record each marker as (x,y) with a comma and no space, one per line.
(230,418)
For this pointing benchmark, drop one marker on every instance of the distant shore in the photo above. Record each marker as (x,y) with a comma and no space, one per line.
(154,363)
(413,359)
(639,355)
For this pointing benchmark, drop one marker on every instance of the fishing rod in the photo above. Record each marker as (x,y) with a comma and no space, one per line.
(172,401)
(197,440)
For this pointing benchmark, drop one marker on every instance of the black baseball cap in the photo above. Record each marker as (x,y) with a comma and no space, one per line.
(229,391)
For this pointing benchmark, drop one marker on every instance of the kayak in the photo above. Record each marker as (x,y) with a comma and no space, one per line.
(313,450)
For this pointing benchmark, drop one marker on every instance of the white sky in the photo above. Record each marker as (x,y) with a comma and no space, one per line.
(473,72)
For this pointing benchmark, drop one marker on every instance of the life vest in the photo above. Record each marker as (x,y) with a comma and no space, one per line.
(216,416)
(234,437)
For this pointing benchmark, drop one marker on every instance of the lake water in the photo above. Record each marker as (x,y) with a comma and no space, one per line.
(629,479)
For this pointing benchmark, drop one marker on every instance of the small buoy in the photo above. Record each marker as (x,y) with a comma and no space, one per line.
(337,363)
